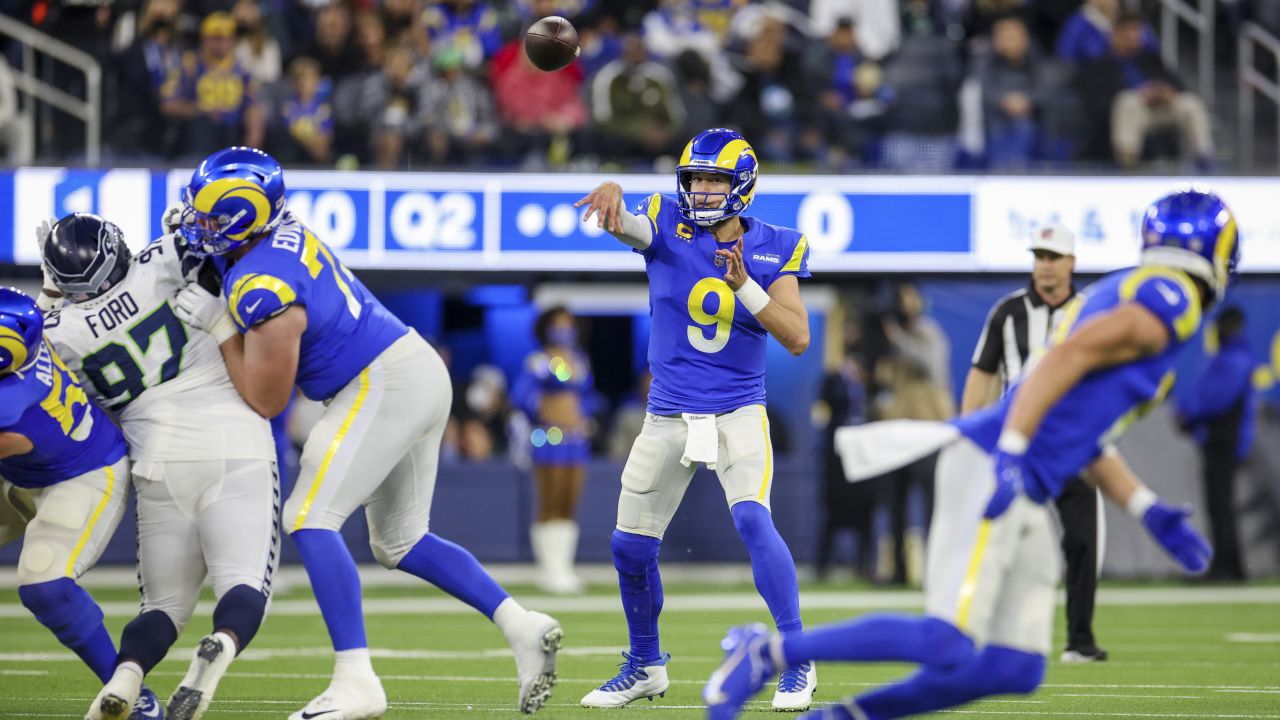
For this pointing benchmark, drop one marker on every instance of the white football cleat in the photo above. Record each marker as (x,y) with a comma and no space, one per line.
(115,700)
(535,644)
(795,688)
(213,656)
(348,699)
(634,680)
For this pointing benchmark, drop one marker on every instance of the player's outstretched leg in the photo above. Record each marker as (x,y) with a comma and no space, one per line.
(534,637)
(75,619)
(354,693)
(236,620)
(643,672)
(748,665)
(774,571)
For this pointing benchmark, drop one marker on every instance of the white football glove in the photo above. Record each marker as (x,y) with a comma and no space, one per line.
(201,310)
(50,296)
(171,220)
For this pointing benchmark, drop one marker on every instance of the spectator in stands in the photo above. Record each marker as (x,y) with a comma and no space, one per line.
(636,105)
(212,97)
(391,103)
(982,16)
(1087,34)
(925,77)
(878,23)
(541,112)
(1140,94)
(458,118)
(598,40)
(1010,94)
(774,106)
(371,39)
(257,52)
(303,129)
(138,128)
(468,26)
(693,82)
(1220,412)
(334,45)
(850,95)
(673,27)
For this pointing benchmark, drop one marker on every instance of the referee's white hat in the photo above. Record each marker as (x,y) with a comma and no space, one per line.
(1055,238)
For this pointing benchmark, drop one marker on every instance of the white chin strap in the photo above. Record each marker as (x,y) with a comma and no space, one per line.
(1193,264)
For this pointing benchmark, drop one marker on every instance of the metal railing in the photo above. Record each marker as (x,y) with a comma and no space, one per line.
(1201,20)
(89,110)
(1254,37)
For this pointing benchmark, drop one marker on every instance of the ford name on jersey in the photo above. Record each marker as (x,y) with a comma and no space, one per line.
(1107,401)
(70,435)
(346,325)
(706,351)
(167,381)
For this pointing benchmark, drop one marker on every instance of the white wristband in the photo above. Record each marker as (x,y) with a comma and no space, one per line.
(1140,501)
(1013,442)
(753,297)
(224,329)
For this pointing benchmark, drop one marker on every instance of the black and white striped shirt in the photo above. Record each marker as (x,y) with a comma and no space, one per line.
(1018,324)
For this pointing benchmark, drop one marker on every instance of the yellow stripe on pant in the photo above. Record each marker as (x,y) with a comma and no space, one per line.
(970,586)
(334,444)
(93,520)
(768,455)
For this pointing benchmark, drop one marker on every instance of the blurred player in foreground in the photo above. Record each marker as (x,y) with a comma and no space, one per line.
(993,561)
(296,314)
(64,485)
(719,284)
(203,462)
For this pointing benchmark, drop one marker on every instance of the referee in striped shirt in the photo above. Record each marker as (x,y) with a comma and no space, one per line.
(1017,325)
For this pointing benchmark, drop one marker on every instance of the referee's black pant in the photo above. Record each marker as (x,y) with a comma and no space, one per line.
(1078,509)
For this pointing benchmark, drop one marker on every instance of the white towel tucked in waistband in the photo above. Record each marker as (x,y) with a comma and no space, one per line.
(703,443)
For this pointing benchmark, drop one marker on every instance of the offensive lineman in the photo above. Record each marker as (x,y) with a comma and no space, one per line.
(297,315)
(64,473)
(993,562)
(203,462)
(719,283)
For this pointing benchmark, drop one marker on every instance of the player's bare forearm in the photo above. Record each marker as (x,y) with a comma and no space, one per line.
(1123,335)
(1113,476)
(785,316)
(12,444)
(979,390)
(263,363)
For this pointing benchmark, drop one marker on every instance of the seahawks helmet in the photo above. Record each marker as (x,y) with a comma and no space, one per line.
(85,255)
(1193,230)
(722,152)
(21,328)
(234,195)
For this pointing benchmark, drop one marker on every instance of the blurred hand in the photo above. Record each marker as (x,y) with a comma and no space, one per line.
(1009,483)
(605,202)
(1169,526)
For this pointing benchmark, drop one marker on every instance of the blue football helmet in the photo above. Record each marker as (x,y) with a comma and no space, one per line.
(1193,230)
(234,195)
(84,255)
(723,152)
(21,328)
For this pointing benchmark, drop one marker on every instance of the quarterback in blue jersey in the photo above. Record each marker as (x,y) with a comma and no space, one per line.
(64,478)
(719,283)
(295,314)
(993,559)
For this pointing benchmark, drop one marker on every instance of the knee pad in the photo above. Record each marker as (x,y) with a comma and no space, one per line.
(752,520)
(147,638)
(41,562)
(951,647)
(64,607)
(1004,671)
(633,554)
(240,611)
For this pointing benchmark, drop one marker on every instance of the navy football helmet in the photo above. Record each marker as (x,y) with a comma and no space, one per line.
(85,255)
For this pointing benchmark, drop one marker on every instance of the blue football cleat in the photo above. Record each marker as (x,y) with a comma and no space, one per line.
(746,668)
(147,707)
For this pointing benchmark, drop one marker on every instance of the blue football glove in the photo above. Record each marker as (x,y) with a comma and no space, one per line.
(1169,526)
(1009,483)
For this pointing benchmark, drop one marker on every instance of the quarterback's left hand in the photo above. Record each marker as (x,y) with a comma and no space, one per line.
(735,270)
(202,310)
(1009,483)
(1169,526)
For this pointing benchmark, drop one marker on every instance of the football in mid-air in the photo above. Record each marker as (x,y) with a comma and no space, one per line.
(551,43)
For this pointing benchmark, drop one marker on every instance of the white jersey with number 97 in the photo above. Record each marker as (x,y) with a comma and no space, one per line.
(165,380)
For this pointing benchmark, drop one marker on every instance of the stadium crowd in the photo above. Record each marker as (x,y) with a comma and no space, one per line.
(832,85)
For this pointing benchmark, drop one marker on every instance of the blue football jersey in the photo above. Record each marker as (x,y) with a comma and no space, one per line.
(707,351)
(71,435)
(346,326)
(1106,402)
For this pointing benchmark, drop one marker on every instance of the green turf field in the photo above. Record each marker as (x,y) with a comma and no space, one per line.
(1177,651)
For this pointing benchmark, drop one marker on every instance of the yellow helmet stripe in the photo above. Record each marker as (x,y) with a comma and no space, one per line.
(687,156)
(1224,247)
(13,344)
(728,157)
(215,191)
(251,282)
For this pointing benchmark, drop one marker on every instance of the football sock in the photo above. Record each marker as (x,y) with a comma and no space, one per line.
(771,564)
(994,671)
(75,619)
(336,585)
(454,570)
(239,613)
(636,559)
(882,637)
(147,639)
